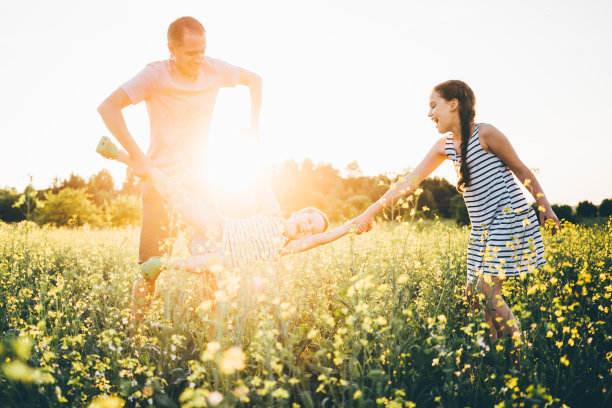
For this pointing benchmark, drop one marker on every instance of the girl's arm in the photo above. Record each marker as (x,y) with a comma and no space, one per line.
(497,143)
(304,244)
(404,186)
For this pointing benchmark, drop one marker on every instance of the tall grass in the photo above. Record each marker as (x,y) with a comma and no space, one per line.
(375,320)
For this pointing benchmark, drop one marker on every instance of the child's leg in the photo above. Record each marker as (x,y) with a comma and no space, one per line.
(497,311)
(209,265)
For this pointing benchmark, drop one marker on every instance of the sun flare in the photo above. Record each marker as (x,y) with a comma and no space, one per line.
(233,164)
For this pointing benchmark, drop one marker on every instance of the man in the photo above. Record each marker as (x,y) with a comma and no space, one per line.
(180,94)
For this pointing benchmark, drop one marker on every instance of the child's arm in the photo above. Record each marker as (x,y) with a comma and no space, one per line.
(497,143)
(404,186)
(304,244)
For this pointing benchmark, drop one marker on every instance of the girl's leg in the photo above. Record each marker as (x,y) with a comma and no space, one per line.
(498,314)
(209,265)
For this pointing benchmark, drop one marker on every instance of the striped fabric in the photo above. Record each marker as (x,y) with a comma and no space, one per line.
(505,239)
(250,239)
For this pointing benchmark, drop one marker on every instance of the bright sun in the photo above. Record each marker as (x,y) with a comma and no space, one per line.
(234,163)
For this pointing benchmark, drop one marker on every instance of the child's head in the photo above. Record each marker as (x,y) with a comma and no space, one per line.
(451,103)
(305,222)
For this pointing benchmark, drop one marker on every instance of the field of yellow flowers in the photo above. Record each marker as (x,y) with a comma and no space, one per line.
(369,321)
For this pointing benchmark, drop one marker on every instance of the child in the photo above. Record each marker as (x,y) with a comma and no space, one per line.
(505,239)
(235,241)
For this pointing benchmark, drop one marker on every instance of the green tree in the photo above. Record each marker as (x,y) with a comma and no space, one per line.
(101,187)
(459,210)
(605,208)
(28,202)
(586,209)
(125,210)
(132,184)
(8,211)
(69,207)
(564,212)
(74,181)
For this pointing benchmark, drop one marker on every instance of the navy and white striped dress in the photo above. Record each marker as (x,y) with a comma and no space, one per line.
(505,239)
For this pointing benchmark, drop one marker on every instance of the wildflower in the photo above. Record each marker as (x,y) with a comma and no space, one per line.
(107,401)
(215,398)
(211,350)
(233,360)
(564,360)
(280,393)
(312,334)
(241,392)
(357,394)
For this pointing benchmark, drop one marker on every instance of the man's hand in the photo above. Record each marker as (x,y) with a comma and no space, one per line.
(140,165)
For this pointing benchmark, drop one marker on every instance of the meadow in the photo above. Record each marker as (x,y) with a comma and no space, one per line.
(374,320)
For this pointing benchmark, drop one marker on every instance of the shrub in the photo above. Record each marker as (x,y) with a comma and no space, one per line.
(605,208)
(69,207)
(459,210)
(586,209)
(564,212)
(125,210)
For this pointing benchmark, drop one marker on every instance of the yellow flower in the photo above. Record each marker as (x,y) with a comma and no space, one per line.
(564,360)
(215,398)
(107,401)
(280,393)
(211,350)
(381,321)
(232,360)
(241,391)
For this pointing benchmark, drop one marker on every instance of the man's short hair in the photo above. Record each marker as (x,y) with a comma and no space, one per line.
(313,210)
(176,31)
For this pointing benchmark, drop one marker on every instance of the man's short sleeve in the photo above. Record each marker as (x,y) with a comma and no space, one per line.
(141,86)
(230,74)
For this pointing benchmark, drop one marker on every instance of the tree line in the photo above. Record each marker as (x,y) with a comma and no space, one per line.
(76,201)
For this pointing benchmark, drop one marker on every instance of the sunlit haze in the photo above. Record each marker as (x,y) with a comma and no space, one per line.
(344,81)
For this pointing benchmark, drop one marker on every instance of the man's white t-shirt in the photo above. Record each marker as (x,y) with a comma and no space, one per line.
(180,112)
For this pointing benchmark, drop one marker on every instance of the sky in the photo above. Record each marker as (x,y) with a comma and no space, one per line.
(344,81)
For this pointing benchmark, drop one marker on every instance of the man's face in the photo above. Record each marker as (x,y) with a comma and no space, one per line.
(189,55)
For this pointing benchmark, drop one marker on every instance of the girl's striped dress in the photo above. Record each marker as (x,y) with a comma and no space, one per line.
(251,239)
(505,239)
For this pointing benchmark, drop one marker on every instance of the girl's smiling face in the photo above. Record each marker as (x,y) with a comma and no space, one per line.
(444,113)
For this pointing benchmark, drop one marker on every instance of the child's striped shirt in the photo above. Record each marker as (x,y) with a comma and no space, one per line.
(250,239)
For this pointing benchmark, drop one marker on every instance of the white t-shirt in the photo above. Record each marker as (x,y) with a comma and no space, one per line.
(180,111)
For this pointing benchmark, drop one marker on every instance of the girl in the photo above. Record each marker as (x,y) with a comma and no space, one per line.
(505,238)
(237,241)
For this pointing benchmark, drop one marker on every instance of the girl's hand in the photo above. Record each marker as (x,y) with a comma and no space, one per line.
(364,223)
(547,215)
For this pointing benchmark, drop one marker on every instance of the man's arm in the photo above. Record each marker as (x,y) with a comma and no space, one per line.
(111,112)
(313,241)
(255,85)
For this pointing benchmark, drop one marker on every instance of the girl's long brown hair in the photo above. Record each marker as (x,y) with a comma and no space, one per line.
(455,89)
